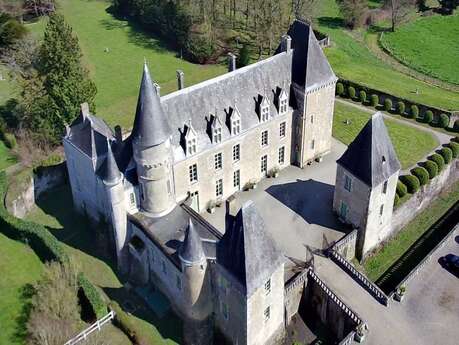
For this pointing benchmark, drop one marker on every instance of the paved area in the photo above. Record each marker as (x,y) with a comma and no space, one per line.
(429,314)
(296,206)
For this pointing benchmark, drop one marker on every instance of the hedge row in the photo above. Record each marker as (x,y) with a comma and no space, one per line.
(45,246)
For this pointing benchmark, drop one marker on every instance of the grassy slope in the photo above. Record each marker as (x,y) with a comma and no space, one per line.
(351,59)
(55,210)
(429,45)
(6,157)
(410,143)
(18,266)
(377,264)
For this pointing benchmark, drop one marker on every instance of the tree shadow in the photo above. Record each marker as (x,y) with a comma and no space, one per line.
(331,22)
(26,293)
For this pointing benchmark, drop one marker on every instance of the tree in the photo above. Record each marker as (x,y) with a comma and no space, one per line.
(244,56)
(353,12)
(65,80)
(399,9)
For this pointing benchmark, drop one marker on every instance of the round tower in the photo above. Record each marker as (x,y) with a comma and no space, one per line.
(153,151)
(116,210)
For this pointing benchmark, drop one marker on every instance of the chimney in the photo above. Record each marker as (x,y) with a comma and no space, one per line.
(118,134)
(157,89)
(180,79)
(84,110)
(286,43)
(231,62)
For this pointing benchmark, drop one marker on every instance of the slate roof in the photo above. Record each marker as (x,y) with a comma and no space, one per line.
(247,251)
(310,66)
(109,171)
(150,125)
(371,156)
(191,250)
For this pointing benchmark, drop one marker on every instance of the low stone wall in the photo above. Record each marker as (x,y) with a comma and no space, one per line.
(293,291)
(423,198)
(39,181)
(346,245)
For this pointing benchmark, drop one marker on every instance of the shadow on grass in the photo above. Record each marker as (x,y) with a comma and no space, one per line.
(26,294)
(331,22)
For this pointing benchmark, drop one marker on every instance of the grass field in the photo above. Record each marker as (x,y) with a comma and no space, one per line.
(6,157)
(411,144)
(378,263)
(18,266)
(351,59)
(429,45)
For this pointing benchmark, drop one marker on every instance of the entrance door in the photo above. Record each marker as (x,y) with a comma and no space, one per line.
(343,211)
(195,201)
(264,165)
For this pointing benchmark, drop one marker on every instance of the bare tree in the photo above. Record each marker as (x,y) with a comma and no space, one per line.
(353,11)
(400,9)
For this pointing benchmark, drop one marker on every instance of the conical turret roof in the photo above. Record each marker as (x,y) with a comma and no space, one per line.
(110,172)
(150,125)
(191,250)
(371,156)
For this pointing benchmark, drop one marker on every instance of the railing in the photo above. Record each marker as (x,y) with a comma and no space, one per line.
(352,236)
(349,339)
(94,327)
(360,278)
(294,281)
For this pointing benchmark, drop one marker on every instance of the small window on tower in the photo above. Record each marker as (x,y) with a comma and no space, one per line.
(132,196)
(268,286)
(384,190)
(267,313)
(383,159)
(381,210)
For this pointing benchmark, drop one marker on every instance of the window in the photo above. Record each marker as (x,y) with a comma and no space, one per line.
(132,196)
(381,210)
(191,146)
(281,155)
(265,111)
(168,187)
(282,129)
(384,189)
(236,127)
(219,188)
(193,170)
(236,152)
(217,135)
(283,106)
(237,179)
(347,183)
(267,313)
(178,283)
(343,211)
(264,165)
(268,286)
(225,310)
(264,138)
(163,265)
(218,163)
(313,144)
(312,118)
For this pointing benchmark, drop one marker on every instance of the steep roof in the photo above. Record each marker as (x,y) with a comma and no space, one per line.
(310,66)
(109,171)
(247,251)
(371,156)
(191,249)
(150,124)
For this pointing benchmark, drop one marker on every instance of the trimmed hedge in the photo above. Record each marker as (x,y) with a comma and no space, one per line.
(443,121)
(401,189)
(363,96)
(340,89)
(10,140)
(45,246)
(351,92)
(374,100)
(428,116)
(438,159)
(412,183)
(447,154)
(387,104)
(456,126)
(431,167)
(422,175)
(414,111)
(455,139)
(454,148)
(401,107)
(396,200)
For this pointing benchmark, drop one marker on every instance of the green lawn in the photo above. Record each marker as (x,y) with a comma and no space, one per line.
(411,144)
(6,157)
(351,59)
(429,45)
(19,266)
(378,263)
(55,210)
(117,73)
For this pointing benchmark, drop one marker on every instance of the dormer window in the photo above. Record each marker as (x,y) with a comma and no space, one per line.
(216,131)
(191,146)
(283,102)
(190,141)
(235,122)
(264,110)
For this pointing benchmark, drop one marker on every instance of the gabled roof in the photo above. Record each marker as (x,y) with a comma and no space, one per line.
(191,250)
(310,66)
(109,171)
(150,125)
(371,157)
(247,251)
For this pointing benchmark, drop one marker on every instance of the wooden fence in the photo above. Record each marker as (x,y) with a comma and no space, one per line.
(94,327)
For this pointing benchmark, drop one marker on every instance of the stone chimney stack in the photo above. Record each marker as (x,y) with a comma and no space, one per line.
(231,62)
(180,79)
(118,134)
(157,89)
(84,110)
(286,43)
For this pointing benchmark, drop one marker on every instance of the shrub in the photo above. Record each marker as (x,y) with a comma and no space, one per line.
(455,139)
(431,167)
(447,154)
(374,100)
(401,189)
(363,96)
(10,140)
(443,121)
(340,89)
(244,56)
(412,183)
(93,296)
(437,159)
(414,113)
(454,148)
(351,92)
(401,107)
(456,126)
(422,175)
(396,200)
(428,116)
(387,104)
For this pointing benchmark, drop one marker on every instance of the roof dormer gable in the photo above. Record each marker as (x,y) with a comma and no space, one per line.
(264,109)
(283,102)
(190,140)
(235,121)
(216,130)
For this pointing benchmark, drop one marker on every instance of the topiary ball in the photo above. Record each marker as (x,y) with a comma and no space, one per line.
(428,116)
(363,96)
(340,89)
(401,107)
(401,189)
(414,113)
(431,167)
(374,100)
(351,92)
(387,104)
(447,154)
(422,175)
(454,148)
(438,159)
(412,183)
(443,121)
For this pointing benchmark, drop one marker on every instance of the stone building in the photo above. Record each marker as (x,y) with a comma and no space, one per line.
(189,150)
(366,180)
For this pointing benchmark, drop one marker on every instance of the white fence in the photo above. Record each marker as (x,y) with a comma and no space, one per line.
(94,327)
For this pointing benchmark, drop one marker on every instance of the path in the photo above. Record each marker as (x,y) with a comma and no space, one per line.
(442,138)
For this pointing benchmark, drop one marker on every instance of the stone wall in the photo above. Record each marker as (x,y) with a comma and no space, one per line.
(346,245)
(293,291)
